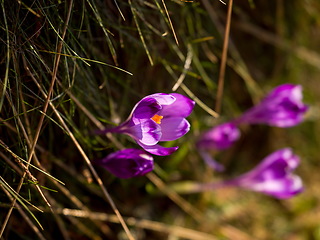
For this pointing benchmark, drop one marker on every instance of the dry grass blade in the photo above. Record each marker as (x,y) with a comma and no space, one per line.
(170,22)
(115,2)
(223,59)
(5,81)
(14,197)
(174,231)
(185,69)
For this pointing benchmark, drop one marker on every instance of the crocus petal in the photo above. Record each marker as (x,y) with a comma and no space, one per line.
(145,109)
(163,98)
(128,163)
(147,132)
(220,137)
(280,188)
(182,107)
(173,128)
(282,107)
(276,165)
(159,150)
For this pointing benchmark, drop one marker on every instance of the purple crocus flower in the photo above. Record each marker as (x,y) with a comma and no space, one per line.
(156,118)
(220,137)
(128,163)
(282,107)
(273,176)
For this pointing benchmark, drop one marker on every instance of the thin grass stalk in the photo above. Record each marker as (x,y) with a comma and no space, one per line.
(223,59)
(170,22)
(5,81)
(186,67)
(133,10)
(115,2)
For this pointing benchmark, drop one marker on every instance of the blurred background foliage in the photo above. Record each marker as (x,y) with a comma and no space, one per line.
(110,54)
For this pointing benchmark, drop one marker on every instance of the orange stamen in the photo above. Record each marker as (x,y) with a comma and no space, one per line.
(157,118)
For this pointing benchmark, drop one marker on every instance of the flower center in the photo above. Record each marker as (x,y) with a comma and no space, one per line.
(157,118)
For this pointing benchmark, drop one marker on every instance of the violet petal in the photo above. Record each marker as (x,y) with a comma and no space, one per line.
(163,98)
(159,150)
(147,132)
(173,128)
(182,107)
(145,109)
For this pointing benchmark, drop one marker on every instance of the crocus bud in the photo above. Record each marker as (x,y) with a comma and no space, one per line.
(128,163)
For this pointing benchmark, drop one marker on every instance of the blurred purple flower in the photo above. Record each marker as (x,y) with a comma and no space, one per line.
(282,107)
(273,176)
(156,118)
(220,137)
(127,163)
